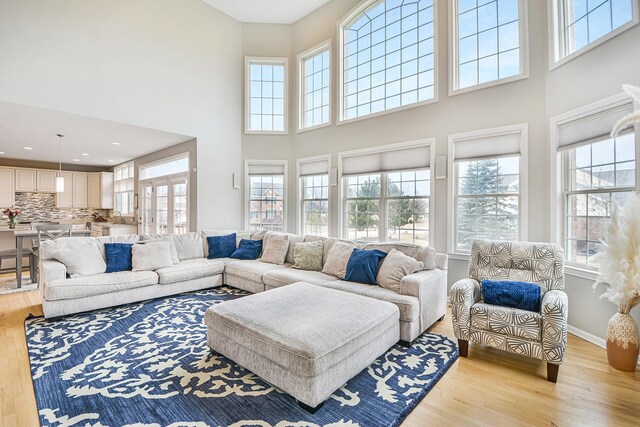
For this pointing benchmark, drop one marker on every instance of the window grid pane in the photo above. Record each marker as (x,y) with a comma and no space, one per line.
(599,174)
(587,21)
(388,54)
(315,205)
(487,200)
(266,202)
(488,41)
(267,97)
(316,89)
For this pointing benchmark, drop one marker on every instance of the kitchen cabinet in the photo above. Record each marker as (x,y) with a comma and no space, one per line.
(46,181)
(7,188)
(26,180)
(100,190)
(79,184)
(65,199)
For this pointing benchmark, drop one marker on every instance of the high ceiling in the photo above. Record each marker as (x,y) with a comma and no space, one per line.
(267,11)
(87,140)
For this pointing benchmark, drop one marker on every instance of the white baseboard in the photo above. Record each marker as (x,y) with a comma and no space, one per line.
(589,337)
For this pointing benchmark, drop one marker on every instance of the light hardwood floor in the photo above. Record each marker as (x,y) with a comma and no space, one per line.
(487,388)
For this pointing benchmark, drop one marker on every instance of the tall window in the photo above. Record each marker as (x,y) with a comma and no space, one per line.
(489,41)
(315,86)
(391,207)
(123,185)
(387,50)
(581,23)
(489,188)
(266,95)
(315,205)
(599,174)
(266,202)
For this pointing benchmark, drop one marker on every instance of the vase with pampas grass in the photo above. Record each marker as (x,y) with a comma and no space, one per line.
(619,266)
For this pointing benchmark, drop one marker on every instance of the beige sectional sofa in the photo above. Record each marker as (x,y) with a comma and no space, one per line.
(422,297)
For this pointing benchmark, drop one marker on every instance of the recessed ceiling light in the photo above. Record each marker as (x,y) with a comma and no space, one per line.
(116,143)
(111,161)
(1,153)
(28,148)
(76,160)
(85,154)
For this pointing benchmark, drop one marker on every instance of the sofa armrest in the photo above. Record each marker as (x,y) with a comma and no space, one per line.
(50,270)
(464,294)
(555,312)
(430,287)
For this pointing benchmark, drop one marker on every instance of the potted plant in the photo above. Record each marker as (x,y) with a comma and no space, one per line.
(619,265)
(11,214)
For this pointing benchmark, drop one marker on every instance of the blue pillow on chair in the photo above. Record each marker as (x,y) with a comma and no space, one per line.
(248,249)
(118,257)
(363,266)
(522,295)
(221,246)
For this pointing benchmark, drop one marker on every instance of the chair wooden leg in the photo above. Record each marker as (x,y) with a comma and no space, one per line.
(552,372)
(463,347)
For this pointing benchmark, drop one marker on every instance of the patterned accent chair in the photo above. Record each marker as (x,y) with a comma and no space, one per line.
(541,335)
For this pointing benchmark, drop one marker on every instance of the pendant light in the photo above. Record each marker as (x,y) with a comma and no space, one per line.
(59,178)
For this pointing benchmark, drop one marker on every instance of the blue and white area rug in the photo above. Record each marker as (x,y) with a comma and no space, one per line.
(148,364)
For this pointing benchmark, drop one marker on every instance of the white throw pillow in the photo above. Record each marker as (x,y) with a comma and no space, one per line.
(395,266)
(172,246)
(337,259)
(275,249)
(151,256)
(83,258)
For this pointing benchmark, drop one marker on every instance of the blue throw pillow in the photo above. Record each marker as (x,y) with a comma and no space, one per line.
(522,295)
(118,257)
(221,246)
(248,249)
(363,266)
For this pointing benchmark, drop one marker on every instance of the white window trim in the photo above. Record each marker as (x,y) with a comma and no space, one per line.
(348,18)
(248,60)
(247,184)
(299,198)
(557,40)
(557,179)
(523,207)
(169,181)
(325,45)
(430,142)
(523,27)
(133,192)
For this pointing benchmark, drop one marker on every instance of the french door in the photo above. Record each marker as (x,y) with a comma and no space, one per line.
(164,205)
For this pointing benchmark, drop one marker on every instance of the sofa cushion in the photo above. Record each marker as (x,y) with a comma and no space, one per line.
(251,269)
(287,276)
(195,269)
(424,254)
(248,250)
(507,321)
(118,257)
(151,255)
(207,233)
(409,306)
(308,256)
(338,258)
(131,238)
(221,246)
(83,258)
(396,266)
(149,238)
(99,284)
(328,243)
(188,245)
(363,266)
(275,248)
(292,238)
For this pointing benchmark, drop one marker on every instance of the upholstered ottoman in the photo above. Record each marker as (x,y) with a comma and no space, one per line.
(304,339)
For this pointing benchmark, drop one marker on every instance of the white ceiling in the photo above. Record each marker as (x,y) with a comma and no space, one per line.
(24,126)
(267,11)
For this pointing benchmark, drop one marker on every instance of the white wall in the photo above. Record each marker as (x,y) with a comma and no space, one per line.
(595,75)
(172,65)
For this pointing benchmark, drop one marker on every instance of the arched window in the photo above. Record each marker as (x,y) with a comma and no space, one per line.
(387,52)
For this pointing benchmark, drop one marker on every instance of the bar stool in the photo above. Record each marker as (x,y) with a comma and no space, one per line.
(13,254)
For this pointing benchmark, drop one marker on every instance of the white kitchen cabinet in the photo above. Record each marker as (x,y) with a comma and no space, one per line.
(26,180)
(100,190)
(65,199)
(46,181)
(79,190)
(7,188)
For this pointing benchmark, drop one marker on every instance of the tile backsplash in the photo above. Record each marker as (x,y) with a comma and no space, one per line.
(42,207)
